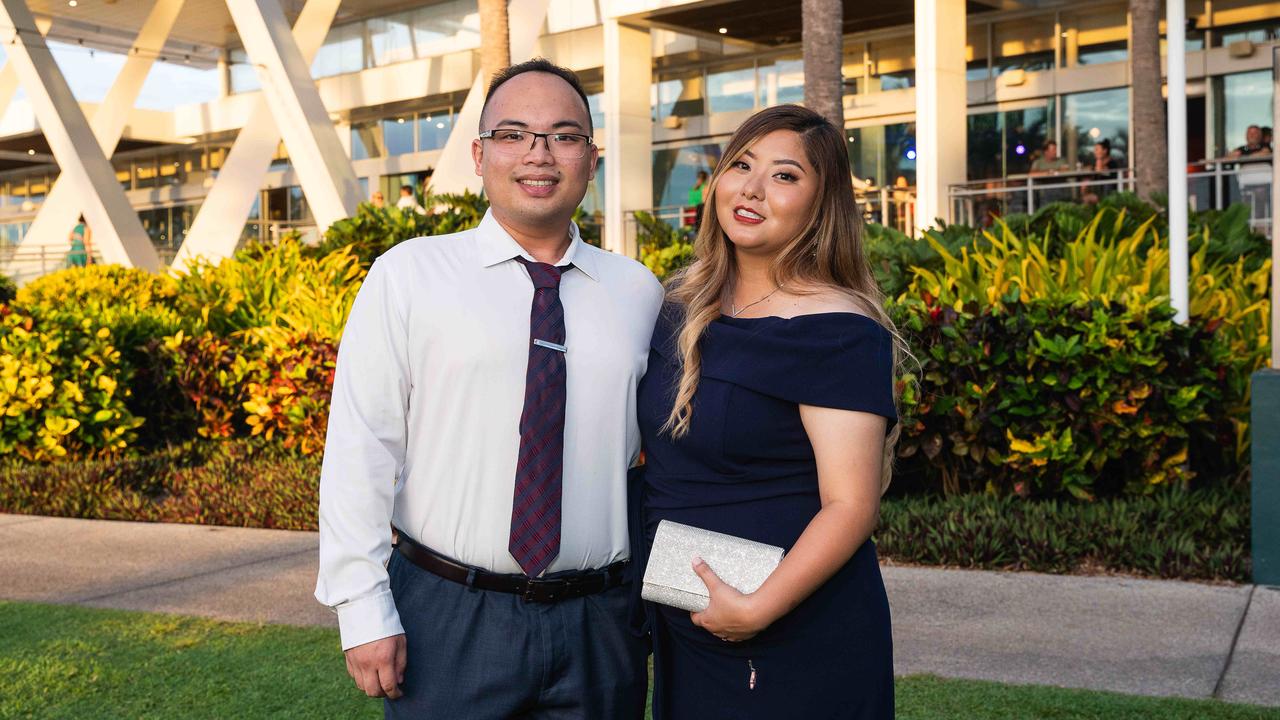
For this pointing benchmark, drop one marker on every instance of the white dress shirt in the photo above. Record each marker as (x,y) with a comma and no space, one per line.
(424,422)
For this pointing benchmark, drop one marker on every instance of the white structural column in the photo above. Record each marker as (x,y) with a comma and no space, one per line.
(57,215)
(323,169)
(941,106)
(1176,28)
(117,232)
(217,227)
(455,170)
(9,78)
(628,131)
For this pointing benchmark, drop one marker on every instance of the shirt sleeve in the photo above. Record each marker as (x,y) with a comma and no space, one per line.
(363,458)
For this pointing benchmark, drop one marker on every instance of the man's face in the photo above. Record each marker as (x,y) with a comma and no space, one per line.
(1101,152)
(1050,152)
(530,186)
(1253,135)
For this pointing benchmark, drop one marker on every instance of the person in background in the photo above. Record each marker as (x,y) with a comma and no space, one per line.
(1049,160)
(1256,144)
(1104,168)
(696,200)
(408,201)
(79,253)
(378,200)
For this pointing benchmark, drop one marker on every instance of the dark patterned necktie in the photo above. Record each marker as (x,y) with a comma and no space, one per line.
(535,512)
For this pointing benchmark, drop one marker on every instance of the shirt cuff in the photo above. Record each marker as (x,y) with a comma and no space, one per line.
(367,619)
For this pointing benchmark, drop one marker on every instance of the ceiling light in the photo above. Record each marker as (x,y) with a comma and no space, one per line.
(72,3)
(724,30)
(400,120)
(30,151)
(440,125)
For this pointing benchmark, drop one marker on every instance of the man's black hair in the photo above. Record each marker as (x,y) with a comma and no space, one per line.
(538,65)
(1105,143)
(406,187)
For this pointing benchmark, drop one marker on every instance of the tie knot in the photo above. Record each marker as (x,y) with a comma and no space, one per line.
(543,275)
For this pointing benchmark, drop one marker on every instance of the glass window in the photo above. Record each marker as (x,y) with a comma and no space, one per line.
(434,128)
(732,87)
(1246,100)
(675,170)
(171,170)
(781,80)
(342,52)
(390,40)
(680,95)
(280,161)
(366,140)
(1257,32)
(446,27)
(893,64)
(1023,45)
(39,188)
(595,105)
(976,55)
(881,154)
(144,173)
(1006,142)
(299,211)
(397,135)
(1098,36)
(1089,118)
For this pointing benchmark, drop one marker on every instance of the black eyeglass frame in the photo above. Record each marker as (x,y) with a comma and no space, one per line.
(546,139)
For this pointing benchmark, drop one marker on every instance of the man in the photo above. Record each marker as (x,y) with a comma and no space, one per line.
(484,405)
(1255,144)
(378,200)
(1049,162)
(408,201)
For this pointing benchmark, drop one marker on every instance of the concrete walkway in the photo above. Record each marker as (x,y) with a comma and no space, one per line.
(1133,636)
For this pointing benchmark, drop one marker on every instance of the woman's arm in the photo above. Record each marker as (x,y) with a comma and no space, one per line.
(848,447)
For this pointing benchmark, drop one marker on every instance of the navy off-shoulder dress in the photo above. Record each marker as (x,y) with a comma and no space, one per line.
(746,468)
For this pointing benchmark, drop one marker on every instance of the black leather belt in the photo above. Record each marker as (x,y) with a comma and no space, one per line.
(544,590)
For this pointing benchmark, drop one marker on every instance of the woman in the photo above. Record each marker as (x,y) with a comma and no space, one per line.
(765,412)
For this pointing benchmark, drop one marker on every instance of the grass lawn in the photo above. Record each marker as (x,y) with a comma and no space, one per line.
(71,662)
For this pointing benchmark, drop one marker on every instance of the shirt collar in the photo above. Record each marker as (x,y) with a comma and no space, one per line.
(496,245)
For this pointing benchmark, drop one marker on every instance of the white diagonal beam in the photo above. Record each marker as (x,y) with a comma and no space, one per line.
(322,166)
(9,79)
(216,230)
(455,170)
(117,232)
(57,215)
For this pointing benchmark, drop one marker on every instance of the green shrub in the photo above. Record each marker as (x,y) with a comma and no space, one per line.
(270,290)
(1046,397)
(374,230)
(1198,535)
(8,289)
(236,483)
(663,248)
(63,388)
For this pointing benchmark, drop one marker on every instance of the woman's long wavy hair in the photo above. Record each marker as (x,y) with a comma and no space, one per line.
(827,253)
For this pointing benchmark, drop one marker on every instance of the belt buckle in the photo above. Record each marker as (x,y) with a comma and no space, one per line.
(528,590)
(555,589)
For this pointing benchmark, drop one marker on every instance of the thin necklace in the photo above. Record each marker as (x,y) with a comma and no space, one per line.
(735,311)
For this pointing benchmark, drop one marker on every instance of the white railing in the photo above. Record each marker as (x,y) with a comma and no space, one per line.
(977,201)
(24,263)
(1212,185)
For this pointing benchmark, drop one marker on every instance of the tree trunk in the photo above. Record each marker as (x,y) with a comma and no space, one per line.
(823,21)
(1150,149)
(495,37)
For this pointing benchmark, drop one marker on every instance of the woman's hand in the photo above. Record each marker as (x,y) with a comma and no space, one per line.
(731,615)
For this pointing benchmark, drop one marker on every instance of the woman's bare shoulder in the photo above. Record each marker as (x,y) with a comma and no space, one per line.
(823,299)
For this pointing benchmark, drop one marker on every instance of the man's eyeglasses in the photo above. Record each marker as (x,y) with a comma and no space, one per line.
(564,146)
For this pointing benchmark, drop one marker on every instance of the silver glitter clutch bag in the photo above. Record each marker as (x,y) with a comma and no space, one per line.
(669,578)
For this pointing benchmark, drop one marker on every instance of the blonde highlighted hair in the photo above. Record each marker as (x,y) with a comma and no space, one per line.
(826,253)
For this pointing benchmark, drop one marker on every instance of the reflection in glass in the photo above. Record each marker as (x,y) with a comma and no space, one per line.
(342,52)
(675,170)
(680,95)
(879,155)
(389,40)
(893,63)
(781,81)
(1006,142)
(366,140)
(434,128)
(1088,118)
(1246,100)
(397,135)
(731,88)
(1024,45)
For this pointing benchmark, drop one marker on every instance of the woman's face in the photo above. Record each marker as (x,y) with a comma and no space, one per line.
(765,198)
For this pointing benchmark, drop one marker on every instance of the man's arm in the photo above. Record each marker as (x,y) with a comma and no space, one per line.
(364,454)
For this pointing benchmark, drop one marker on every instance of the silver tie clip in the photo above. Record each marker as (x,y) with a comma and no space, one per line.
(550,345)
